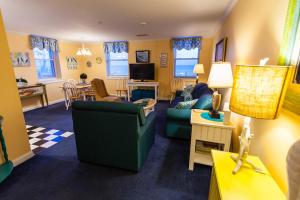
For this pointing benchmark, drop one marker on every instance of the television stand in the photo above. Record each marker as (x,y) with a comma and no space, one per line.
(132,84)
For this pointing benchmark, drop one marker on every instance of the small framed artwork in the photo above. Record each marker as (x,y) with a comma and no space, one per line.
(163,59)
(89,64)
(98,60)
(142,56)
(20,59)
(71,62)
(220,52)
(297,73)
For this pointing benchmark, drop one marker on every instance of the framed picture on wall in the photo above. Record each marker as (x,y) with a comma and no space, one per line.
(20,59)
(220,52)
(163,59)
(142,56)
(297,73)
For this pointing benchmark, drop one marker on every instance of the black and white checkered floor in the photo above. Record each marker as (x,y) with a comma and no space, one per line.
(42,138)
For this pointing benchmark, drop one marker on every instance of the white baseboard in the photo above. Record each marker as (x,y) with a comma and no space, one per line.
(23,158)
(40,106)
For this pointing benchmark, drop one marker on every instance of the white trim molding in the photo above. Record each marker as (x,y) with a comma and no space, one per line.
(40,106)
(23,158)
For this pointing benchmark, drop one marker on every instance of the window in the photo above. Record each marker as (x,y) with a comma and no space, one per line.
(184,62)
(117,64)
(45,61)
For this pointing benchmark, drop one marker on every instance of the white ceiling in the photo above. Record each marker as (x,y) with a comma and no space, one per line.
(79,19)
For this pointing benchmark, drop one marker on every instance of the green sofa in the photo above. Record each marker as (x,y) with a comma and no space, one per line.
(112,133)
(178,120)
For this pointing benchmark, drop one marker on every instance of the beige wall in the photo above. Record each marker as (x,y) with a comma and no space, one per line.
(10,106)
(254,29)
(163,75)
(20,43)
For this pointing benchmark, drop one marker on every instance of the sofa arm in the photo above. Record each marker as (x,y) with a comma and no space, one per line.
(150,121)
(179,114)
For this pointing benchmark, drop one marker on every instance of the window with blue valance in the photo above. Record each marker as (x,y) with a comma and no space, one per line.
(186,56)
(116,47)
(116,58)
(187,43)
(43,43)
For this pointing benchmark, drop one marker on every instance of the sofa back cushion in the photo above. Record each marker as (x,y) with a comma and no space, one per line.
(204,102)
(116,107)
(201,89)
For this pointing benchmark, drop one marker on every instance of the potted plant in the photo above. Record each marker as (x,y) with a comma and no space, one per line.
(83,77)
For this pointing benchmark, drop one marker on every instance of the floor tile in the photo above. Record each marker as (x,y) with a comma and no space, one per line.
(67,134)
(52,131)
(34,140)
(50,137)
(48,144)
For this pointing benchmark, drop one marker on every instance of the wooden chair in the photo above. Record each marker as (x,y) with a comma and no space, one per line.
(71,94)
(176,84)
(73,81)
(122,87)
(101,93)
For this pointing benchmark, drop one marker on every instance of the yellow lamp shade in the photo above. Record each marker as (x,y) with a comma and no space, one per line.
(258,91)
(198,69)
(220,75)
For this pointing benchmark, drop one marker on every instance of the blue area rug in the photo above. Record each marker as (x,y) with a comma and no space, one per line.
(56,173)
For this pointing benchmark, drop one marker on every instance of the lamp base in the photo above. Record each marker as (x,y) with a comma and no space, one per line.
(240,162)
(214,114)
(245,139)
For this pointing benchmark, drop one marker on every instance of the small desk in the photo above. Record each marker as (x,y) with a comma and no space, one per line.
(245,185)
(204,130)
(31,91)
(132,84)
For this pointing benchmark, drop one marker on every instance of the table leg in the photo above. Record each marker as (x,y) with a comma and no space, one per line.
(128,93)
(42,101)
(155,90)
(192,154)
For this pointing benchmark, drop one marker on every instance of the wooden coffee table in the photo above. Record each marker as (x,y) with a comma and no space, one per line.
(149,105)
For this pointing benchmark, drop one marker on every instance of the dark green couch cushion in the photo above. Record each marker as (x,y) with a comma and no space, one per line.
(204,102)
(179,114)
(118,107)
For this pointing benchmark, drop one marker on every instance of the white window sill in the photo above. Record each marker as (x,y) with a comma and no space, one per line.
(50,81)
(116,77)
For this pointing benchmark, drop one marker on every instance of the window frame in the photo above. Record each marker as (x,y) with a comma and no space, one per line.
(108,60)
(56,63)
(174,63)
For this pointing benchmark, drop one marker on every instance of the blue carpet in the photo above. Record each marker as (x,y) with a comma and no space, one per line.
(56,173)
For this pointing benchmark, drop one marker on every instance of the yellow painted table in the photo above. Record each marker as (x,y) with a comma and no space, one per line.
(245,185)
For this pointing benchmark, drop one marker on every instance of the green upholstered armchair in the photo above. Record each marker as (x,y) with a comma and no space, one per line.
(112,133)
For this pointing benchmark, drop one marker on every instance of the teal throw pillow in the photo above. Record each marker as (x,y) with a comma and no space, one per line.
(186,104)
(186,93)
(204,102)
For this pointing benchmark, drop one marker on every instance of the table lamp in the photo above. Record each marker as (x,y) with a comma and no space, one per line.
(220,76)
(198,69)
(258,92)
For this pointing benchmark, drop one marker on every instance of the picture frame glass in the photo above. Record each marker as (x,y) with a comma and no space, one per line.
(143,56)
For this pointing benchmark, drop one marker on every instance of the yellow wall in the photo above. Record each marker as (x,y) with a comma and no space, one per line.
(10,106)
(20,43)
(254,29)
(163,75)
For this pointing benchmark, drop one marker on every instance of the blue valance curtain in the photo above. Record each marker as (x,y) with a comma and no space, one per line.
(187,43)
(116,47)
(43,43)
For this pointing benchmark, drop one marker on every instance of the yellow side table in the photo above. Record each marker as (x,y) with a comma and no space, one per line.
(245,185)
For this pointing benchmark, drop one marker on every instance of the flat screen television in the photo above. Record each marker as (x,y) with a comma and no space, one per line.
(143,71)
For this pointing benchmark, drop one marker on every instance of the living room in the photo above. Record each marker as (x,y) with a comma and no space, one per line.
(251,31)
